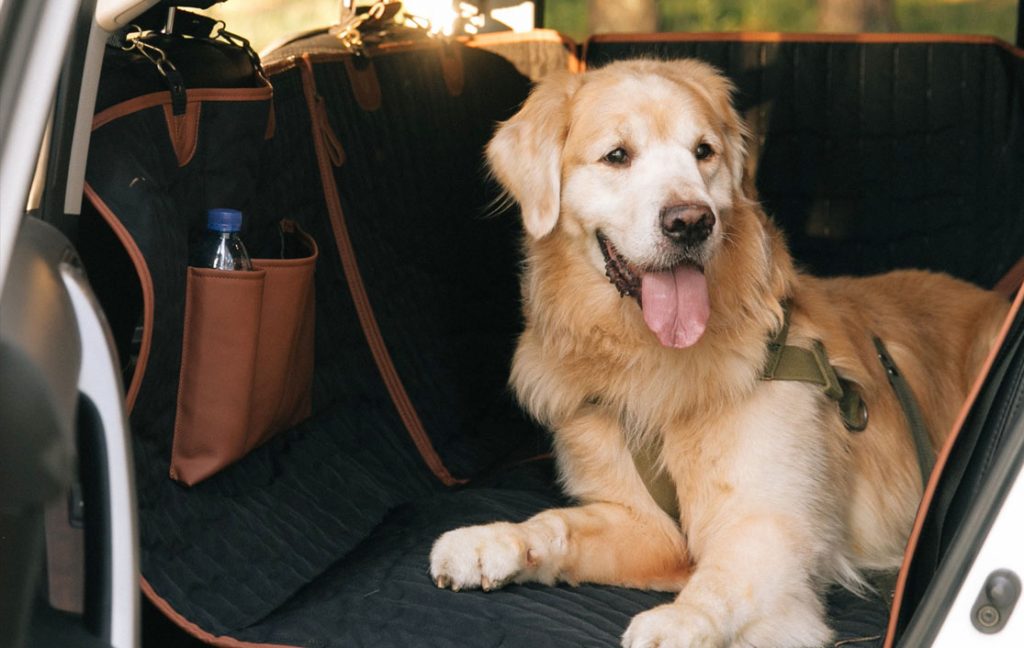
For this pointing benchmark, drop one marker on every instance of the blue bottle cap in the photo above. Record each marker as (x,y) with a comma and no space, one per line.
(224,220)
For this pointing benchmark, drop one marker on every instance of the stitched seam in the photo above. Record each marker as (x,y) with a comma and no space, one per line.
(191,131)
(146,283)
(143,102)
(193,629)
(182,372)
(360,299)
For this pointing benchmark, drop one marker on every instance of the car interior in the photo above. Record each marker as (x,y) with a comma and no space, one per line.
(296,437)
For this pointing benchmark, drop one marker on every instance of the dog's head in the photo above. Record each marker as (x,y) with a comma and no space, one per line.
(641,161)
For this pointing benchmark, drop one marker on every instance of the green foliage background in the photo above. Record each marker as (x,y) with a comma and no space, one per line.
(263,21)
(993,17)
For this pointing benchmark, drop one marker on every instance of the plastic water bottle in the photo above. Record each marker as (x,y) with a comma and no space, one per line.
(220,246)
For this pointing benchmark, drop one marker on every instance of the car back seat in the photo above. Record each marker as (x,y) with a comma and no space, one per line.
(320,536)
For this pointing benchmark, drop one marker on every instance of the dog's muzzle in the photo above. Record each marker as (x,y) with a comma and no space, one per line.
(673,298)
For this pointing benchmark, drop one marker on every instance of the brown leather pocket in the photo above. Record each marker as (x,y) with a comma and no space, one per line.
(246,360)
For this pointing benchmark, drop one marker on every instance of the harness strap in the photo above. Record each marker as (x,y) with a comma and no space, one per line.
(787,362)
(911,410)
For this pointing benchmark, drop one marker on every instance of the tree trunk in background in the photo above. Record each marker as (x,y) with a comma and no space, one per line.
(605,16)
(856,15)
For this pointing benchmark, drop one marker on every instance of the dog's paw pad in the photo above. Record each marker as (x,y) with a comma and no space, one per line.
(480,557)
(669,626)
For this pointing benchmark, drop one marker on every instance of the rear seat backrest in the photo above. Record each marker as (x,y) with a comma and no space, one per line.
(439,267)
(875,152)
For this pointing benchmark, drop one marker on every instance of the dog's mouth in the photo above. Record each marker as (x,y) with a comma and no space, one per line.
(625,276)
(674,300)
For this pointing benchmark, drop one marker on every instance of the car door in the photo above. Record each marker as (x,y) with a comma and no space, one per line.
(68,548)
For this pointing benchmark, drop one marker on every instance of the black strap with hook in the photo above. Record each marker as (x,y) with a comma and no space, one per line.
(171,52)
(911,410)
(158,57)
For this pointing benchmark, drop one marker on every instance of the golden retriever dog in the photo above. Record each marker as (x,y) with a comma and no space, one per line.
(653,283)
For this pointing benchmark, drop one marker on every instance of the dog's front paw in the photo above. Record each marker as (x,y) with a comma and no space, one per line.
(671,626)
(485,556)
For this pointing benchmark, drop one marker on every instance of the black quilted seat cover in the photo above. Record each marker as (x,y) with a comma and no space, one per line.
(439,263)
(320,537)
(379,594)
(441,272)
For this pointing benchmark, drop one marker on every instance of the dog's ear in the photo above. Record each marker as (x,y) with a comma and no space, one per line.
(735,130)
(738,134)
(525,153)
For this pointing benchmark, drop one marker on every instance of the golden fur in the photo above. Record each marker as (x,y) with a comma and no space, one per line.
(771,498)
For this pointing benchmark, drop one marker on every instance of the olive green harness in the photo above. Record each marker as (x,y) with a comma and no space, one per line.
(786,362)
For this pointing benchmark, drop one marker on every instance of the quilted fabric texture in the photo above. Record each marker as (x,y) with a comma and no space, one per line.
(320,538)
(438,262)
(380,595)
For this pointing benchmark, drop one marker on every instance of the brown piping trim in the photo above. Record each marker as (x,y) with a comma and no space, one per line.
(397,47)
(779,37)
(279,66)
(452,68)
(535,36)
(1011,281)
(400,47)
(940,463)
(271,123)
(374,52)
(324,133)
(145,279)
(364,308)
(363,79)
(157,98)
(184,130)
(508,38)
(194,630)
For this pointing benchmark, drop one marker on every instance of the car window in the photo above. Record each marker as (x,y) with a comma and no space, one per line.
(267,21)
(580,17)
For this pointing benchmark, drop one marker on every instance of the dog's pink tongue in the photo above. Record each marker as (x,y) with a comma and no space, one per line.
(676,305)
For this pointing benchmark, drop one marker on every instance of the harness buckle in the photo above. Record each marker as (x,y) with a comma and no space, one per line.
(852,408)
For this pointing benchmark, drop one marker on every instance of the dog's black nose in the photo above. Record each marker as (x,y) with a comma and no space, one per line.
(687,223)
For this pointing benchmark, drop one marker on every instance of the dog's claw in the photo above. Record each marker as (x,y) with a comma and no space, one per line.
(456,587)
(486,585)
(442,582)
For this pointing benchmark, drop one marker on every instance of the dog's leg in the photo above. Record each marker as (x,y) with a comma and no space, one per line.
(751,589)
(595,543)
(763,539)
(619,537)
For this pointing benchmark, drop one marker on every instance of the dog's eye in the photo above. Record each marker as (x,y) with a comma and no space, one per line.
(703,151)
(616,156)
